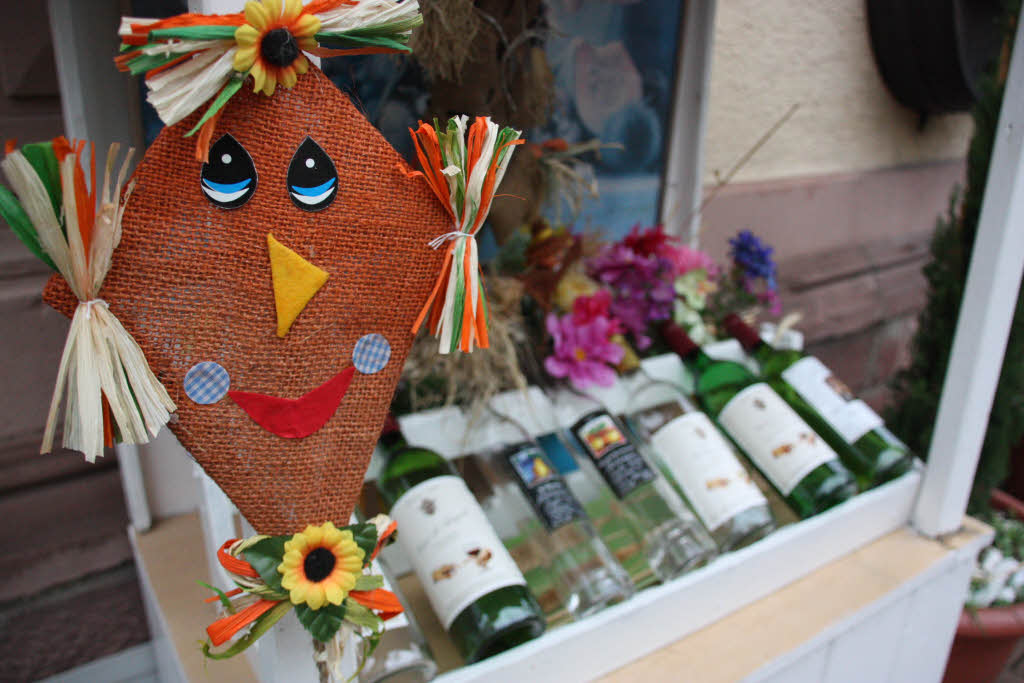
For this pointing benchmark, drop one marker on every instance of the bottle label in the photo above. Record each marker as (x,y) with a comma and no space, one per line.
(616,458)
(704,465)
(454,550)
(543,486)
(779,442)
(816,384)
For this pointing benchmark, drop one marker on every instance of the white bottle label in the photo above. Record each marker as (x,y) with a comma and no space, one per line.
(851,417)
(455,552)
(779,442)
(703,463)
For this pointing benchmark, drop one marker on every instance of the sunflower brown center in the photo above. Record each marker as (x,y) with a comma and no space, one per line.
(319,564)
(279,47)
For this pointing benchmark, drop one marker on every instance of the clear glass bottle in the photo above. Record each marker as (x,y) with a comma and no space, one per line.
(472,582)
(673,540)
(849,425)
(402,655)
(702,464)
(588,576)
(804,469)
(620,531)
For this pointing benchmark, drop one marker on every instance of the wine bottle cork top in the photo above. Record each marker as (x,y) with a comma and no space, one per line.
(678,340)
(744,333)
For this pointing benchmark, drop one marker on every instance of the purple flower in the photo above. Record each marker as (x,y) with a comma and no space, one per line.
(641,286)
(753,258)
(583,353)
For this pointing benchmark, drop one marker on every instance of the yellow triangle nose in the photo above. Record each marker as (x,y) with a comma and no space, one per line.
(296,280)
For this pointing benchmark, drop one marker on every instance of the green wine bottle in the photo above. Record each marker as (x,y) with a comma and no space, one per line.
(804,469)
(472,582)
(849,425)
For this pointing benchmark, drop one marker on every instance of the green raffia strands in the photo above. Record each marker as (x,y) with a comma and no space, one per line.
(361,617)
(145,63)
(12,212)
(365,536)
(347,41)
(460,292)
(41,157)
(322,623)
(224,599)
(368,582)
(259,627)
(264,556)
(194,33)
(225,94)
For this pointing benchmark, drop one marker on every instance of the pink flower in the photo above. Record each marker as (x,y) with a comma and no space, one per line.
(684,259)
(583,352)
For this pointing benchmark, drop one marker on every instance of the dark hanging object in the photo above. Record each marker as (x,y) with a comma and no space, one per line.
(932,53)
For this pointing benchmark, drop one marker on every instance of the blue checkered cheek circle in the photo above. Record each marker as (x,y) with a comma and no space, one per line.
(207,382)
(371,353)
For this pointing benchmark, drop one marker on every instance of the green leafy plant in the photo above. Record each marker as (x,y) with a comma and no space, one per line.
(916,390)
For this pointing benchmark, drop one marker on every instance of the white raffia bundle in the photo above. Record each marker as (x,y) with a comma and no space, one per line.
(101,359)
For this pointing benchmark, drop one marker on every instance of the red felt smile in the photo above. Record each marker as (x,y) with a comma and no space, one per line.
(294,418)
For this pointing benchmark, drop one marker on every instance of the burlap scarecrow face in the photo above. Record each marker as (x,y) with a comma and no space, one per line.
(273,290)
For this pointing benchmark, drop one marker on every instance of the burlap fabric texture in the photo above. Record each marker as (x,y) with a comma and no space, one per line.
(192,282)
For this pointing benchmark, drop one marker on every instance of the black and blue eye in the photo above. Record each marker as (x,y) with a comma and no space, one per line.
(312,178)
(228,179)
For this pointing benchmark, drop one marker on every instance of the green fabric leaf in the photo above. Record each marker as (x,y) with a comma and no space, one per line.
(224,599)
(264,556)
(225,94)
(365,536)
(12,212)
(194,33)
(368,582)
(259,627)
(321,623)
(42,158)
(361,616)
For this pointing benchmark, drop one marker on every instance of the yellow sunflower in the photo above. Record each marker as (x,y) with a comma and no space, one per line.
(270,45)
(320,565)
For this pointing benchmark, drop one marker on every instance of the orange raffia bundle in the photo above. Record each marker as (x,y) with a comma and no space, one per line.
(104,372)
(464,173)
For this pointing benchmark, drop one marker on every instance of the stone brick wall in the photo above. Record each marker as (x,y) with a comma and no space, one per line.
(850,249)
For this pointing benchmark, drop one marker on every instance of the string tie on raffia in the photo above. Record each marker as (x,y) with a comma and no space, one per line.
(464,172)
(90,303)
(439,241)
(56,214)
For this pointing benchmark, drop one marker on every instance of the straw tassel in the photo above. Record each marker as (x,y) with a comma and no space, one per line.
(463,171)
(103,374)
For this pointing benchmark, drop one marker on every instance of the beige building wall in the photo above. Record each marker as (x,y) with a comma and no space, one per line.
(769,56)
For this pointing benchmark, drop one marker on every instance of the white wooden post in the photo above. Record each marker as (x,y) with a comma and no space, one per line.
(987,309)
(99,103)
(684,168)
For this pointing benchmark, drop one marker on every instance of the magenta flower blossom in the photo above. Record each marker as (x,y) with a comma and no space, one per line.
(583,353)
(642,288)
